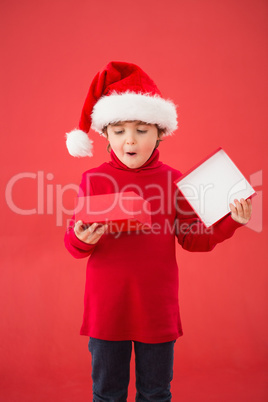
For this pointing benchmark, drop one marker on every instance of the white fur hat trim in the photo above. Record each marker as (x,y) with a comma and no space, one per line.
(134,106)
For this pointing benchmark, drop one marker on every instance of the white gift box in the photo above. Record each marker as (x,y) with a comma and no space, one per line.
(212,185)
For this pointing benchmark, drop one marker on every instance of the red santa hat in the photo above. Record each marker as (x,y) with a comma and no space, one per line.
(120,92)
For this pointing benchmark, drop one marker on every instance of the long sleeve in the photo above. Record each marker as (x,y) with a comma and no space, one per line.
(76,247)
(193,235)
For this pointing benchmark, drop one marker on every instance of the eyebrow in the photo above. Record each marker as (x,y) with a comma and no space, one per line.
(121,123)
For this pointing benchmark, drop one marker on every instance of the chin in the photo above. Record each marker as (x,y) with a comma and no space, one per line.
(133,165)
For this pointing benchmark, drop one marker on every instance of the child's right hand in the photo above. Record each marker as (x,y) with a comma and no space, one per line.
(91,234)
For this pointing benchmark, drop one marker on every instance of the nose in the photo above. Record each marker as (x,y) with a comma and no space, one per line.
(130,138)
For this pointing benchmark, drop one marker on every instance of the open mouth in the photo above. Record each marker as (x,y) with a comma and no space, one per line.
(131,153)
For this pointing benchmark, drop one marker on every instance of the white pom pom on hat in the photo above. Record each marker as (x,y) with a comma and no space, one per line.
(120,92)
(78,143)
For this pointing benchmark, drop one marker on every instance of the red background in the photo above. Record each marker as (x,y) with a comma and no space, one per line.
(211,58)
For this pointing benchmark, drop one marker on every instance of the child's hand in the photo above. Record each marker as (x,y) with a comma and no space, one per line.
(91,234)
(241,212)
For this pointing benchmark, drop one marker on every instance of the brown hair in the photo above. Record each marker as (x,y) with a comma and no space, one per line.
(159,130)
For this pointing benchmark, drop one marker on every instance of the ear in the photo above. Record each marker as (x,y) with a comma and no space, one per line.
(160,134)
(105,132)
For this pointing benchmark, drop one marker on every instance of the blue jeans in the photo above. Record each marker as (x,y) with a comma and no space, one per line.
(111,370)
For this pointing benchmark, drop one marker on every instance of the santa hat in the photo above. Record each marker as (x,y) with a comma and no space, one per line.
(120,92)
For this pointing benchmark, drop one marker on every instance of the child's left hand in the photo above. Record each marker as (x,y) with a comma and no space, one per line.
(241,212)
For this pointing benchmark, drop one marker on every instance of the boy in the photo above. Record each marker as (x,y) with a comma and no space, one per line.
(131,293)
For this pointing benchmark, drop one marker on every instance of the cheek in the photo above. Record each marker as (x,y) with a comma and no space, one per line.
(149,146)
(115,144)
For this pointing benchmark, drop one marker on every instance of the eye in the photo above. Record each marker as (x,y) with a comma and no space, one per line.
(142,131)
(118,132)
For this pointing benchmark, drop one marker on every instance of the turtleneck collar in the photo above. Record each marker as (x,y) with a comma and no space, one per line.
(152,163)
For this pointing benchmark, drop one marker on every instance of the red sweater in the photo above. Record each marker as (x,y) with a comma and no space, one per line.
(131,290)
